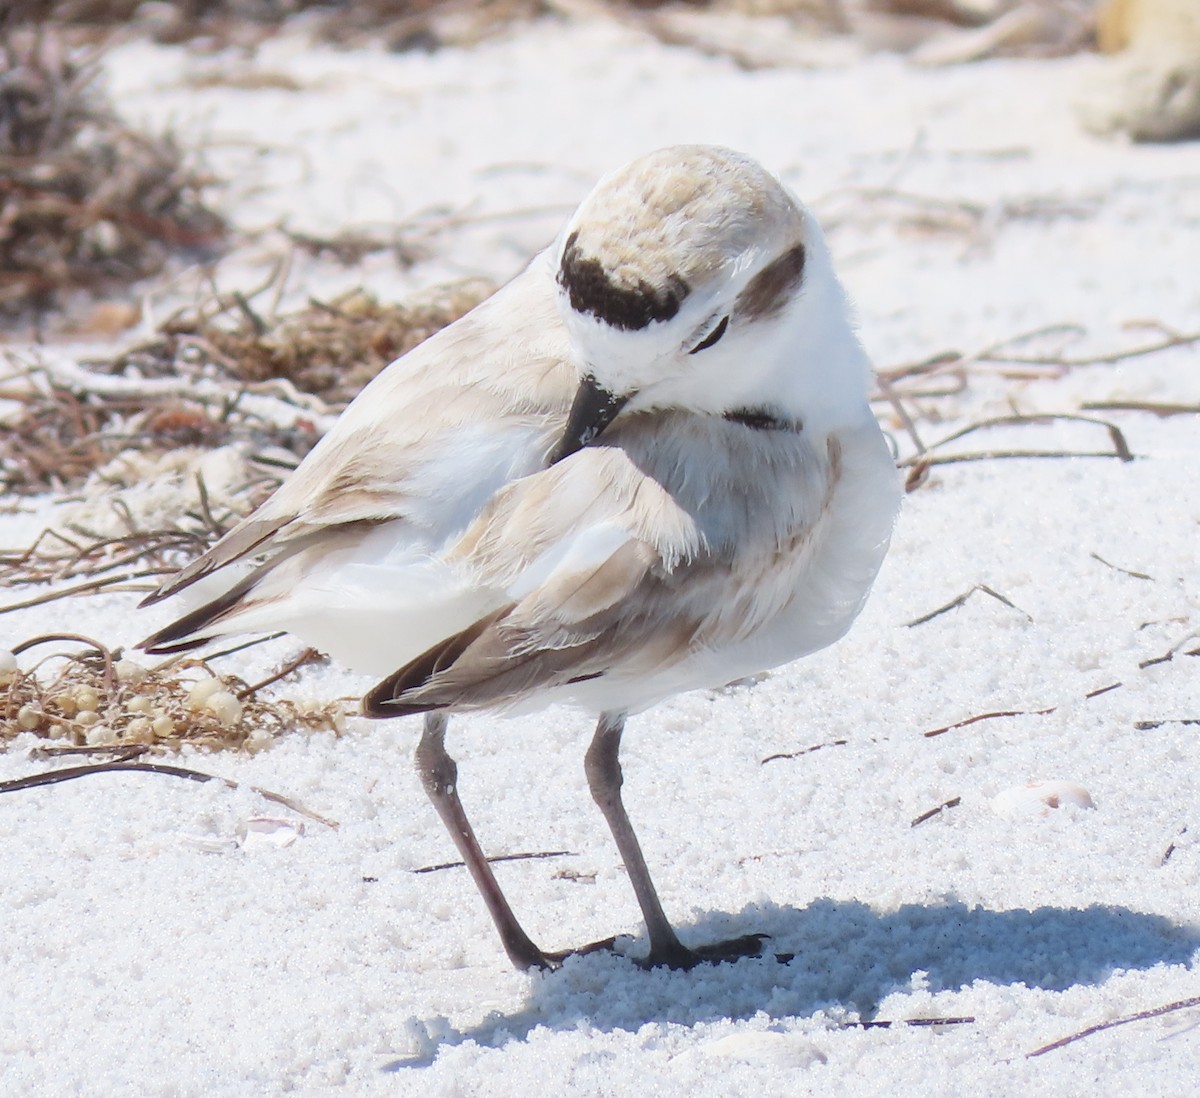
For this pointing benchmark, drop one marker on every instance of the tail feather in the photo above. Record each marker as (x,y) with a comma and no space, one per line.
(190,630)
(387,699)
(240,542)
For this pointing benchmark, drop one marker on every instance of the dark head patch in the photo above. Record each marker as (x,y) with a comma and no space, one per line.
(768,291)
(630,308)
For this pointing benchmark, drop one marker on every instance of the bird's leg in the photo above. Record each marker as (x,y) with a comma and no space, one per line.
(439,775)
(603,766)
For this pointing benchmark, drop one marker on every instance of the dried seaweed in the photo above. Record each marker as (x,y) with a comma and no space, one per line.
(97,697)
(86,203)
(65,430)
(188,386)
(400,24)
(329,350)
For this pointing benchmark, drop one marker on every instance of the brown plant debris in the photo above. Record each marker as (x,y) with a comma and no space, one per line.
(215,374)
(535,855)
(946,373)
(86,203)
(958,601)
(920,463)
(802,751)
(330,349)
(953,802)
(1141,1015)
(65,429)
(987,717)
(888,1024)
(399,24)
(123,763)
(89,695)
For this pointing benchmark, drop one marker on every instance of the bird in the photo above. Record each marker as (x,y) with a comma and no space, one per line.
(648,464)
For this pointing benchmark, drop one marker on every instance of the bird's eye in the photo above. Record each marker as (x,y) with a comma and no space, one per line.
(712,337)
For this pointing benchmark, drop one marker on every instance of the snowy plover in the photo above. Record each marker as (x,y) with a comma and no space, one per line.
(644,466)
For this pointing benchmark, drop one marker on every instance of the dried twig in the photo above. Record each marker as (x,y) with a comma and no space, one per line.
(803,751)
(309,655)
(1000,353)
(1161,410)
(53,777)
(987,717)
(89,588)
(953,802)
(958,601)
(1120,448)
(1171,849)
(501,858)
(1176,649)
(1108,359)
(1141,1015)
(1118,568)
(908,1022)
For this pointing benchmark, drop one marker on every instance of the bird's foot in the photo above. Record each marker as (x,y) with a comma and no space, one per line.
(552,961)
(677,955)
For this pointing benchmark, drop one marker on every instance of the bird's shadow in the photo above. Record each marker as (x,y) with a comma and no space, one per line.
(846,956)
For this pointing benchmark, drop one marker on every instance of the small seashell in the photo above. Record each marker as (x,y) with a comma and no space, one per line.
(87,717)
(1039,799)
(8,667)
(139,704)
(87,698)
(261,832)
(28,718)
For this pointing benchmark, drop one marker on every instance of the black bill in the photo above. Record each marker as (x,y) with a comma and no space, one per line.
(593,410)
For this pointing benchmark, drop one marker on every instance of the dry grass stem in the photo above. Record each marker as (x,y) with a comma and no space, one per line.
(1140,1016)
(931,215)
(919,464)
(1118,568)
(1175,650)
(883,1024)
(1171,848)
(123,765)
(527,857)
(953,802)
(912,380)
(1161,410)
(802,751)
(988,717)
(958,601)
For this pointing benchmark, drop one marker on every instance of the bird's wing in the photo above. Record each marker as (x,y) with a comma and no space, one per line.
(425,445)
(605,574)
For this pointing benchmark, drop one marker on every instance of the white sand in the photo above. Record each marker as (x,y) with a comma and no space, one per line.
(133,960)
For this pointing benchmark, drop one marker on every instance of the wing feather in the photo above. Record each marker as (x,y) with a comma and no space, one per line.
(623,564)
(422,448)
